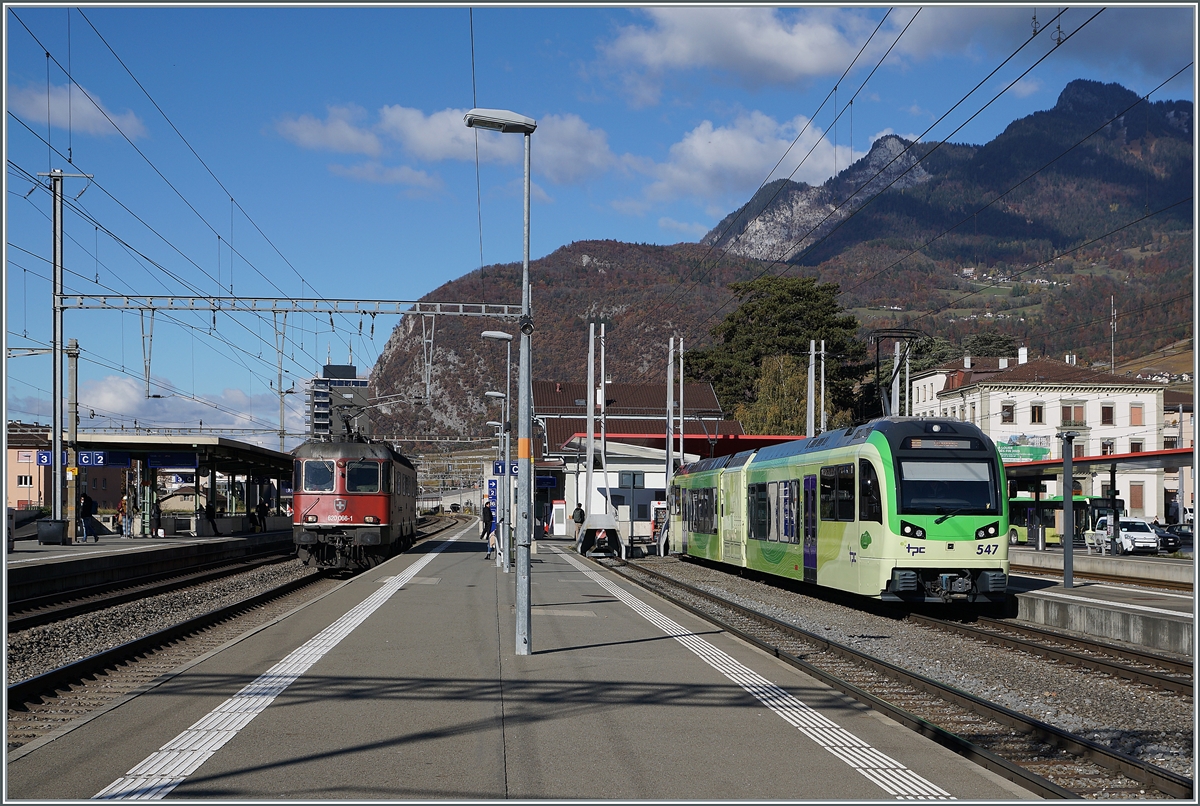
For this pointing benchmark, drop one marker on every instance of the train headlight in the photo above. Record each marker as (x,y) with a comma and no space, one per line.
(370,519)
(911,530)
(989,531)
(310,518)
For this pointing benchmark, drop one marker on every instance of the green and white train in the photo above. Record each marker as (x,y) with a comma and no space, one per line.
(900,509)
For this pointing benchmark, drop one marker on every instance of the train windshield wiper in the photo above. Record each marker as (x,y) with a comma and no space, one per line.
(951,514)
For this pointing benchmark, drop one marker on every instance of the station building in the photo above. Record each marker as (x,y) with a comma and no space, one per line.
(1024,405)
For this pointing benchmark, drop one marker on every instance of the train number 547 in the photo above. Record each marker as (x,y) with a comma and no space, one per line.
(989,548)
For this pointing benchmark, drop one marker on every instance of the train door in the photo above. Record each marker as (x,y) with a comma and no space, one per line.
(810,529)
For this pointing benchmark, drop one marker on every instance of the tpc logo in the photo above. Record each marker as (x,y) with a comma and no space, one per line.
(914,550)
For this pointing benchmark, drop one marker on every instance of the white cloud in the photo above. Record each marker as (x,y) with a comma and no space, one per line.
(85,114)
(698,230)
(443,135)
(378,173)
(1026,87)
(569,151)
(713,162)
(338,132)
(760,46)
(121,400)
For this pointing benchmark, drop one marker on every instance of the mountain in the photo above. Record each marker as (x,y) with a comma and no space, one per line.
(1051,178)
(1037,223)
(645,294)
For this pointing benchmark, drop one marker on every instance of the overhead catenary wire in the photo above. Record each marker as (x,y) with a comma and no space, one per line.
(878,173)
(154,167)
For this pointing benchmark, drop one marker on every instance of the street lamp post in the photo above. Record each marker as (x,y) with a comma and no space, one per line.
(508,122)
(503,505)
(505,557)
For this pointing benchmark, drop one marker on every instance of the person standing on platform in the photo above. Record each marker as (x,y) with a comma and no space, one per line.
(485,520)
(123,517)
(263,509)
(579,517)
(210,515)
(85,512)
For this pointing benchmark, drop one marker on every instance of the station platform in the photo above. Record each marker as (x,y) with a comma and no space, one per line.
(403,683)
(1134,611)
(37,569)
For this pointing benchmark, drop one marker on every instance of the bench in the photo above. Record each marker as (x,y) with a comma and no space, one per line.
(1097,541)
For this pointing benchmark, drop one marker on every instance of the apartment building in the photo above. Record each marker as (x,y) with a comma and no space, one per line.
(1025,405)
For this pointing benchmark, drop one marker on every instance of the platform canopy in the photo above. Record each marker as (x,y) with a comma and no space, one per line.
(227,456)
(1046,469)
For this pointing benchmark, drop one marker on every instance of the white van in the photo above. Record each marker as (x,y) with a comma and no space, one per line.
(1133,537)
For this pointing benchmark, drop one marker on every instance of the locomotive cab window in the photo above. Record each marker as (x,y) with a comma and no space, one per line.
(870,502)
(362,476)
(938,488)
(318,476)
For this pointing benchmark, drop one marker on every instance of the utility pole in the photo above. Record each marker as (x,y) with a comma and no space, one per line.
(56,345)
(809,425)
(1068,497)
(73,515)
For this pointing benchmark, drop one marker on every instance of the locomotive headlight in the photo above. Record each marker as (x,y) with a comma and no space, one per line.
(909,530)
(370,519)
(984,532)
(310,518)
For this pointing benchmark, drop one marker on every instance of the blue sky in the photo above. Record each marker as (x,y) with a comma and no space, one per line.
(339,134)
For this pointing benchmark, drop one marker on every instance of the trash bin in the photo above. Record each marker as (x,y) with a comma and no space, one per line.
(52,531)
(1041,538)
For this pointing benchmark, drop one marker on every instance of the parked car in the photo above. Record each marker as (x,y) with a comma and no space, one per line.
(1134,535)
(1168,541)
(1184,530)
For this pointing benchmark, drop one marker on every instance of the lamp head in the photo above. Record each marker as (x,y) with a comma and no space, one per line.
(493,423)
(500,120)
(496,335)
(495,395)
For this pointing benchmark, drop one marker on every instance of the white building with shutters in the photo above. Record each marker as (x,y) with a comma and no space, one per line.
(1025,405)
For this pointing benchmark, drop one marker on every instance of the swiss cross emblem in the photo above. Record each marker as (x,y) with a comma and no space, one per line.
(339,504)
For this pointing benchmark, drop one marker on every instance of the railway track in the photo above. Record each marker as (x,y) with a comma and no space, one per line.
(28,613)
(1043,758)
(1149,668)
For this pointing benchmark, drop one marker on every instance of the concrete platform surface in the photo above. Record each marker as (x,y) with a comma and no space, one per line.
(404,683)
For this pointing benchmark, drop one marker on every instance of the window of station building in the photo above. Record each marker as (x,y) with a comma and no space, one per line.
(1136,416)
(25,457)
(1073,414)
(870,502)
(24,481)
(643,512)
(1107,448)
(1037,413)
(1136,446)
(1078,449)
(1008,412)
(631,480)
(1170,442)
(972,412)
(1108,414)
(1137,495)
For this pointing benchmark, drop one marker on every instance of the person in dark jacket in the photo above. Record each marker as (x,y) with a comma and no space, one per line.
(210,515)
(85,512)
(486,524)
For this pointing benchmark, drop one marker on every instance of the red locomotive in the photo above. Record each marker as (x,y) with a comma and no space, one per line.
(354,504)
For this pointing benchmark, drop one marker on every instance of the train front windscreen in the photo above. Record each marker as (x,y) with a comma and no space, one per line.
(933,487)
